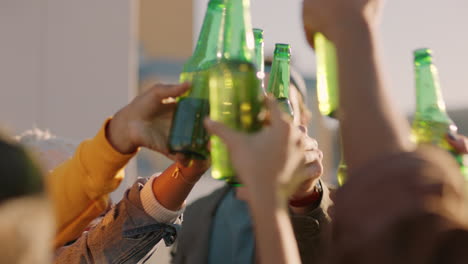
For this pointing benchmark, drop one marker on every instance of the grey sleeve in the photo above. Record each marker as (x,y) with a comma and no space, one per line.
(126,234)
(311,230)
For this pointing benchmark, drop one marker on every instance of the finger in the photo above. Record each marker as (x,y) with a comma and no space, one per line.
(313,156)
(276,115)
(227,135)
(310,36)
(208,145)
(459,142)
(162,91)
(300,143)
(314,170)
(303,129)
(167,107)
(310,144)
(164,151)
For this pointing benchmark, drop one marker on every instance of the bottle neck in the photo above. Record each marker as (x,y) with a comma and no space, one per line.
(279,81)
(238,35)
(259,59)
(430,104)
(209,42)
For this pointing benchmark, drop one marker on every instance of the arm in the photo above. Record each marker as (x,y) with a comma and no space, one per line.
(365,125)
(272,156)
(80,186)
(173,186)
(411,200)
(126,234)
(351,26)
(274,233)
(133,227)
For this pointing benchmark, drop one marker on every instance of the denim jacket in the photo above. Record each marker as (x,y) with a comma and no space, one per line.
(125,235)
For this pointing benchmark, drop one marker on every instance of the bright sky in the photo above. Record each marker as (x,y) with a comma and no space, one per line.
(406,25)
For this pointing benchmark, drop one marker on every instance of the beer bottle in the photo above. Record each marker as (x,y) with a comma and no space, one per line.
(278,85)
(235,97)
(259,55)
(327,79)
(188,134)
(327,88)
(431,122)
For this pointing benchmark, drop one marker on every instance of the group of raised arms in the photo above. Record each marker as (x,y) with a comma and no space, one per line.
(402,202)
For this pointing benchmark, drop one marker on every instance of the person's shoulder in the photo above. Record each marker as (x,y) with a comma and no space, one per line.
(212,198)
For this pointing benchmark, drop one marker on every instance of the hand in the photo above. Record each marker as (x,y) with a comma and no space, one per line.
(459,142)
(270,162)
(313,162)
(331,16)
(146,121)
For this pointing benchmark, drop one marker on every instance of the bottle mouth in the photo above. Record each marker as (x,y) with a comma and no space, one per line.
(283,49)
(217,3)
(423,55)
(258,34)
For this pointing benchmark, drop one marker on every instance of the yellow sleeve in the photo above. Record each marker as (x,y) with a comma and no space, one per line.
(80,186)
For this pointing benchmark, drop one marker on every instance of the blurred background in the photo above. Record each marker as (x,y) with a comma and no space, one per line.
(66,65)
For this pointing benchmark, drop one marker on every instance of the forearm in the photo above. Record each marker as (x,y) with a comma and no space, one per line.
(173,186)
(273,230)
(370,124)
(125,235)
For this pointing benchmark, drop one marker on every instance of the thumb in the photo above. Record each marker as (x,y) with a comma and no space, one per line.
(227,135)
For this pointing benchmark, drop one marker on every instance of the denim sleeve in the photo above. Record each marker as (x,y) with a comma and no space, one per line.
(126,234)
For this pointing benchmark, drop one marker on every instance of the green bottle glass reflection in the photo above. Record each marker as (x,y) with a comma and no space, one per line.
(259,55)
(327,88)
(278,84)
(188,134)
(327,80)
(342,170)
(431,122)
(235,97)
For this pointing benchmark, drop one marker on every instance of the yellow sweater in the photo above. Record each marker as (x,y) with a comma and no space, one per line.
(80,187)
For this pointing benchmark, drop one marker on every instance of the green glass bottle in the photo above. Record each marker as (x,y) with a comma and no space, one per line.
(235,97)
(259,55)
(278,85)
(431,122)
(327,79)
(327,88)
(188,134)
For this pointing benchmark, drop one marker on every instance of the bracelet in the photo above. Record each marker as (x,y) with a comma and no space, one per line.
(310,199)
(177,173)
